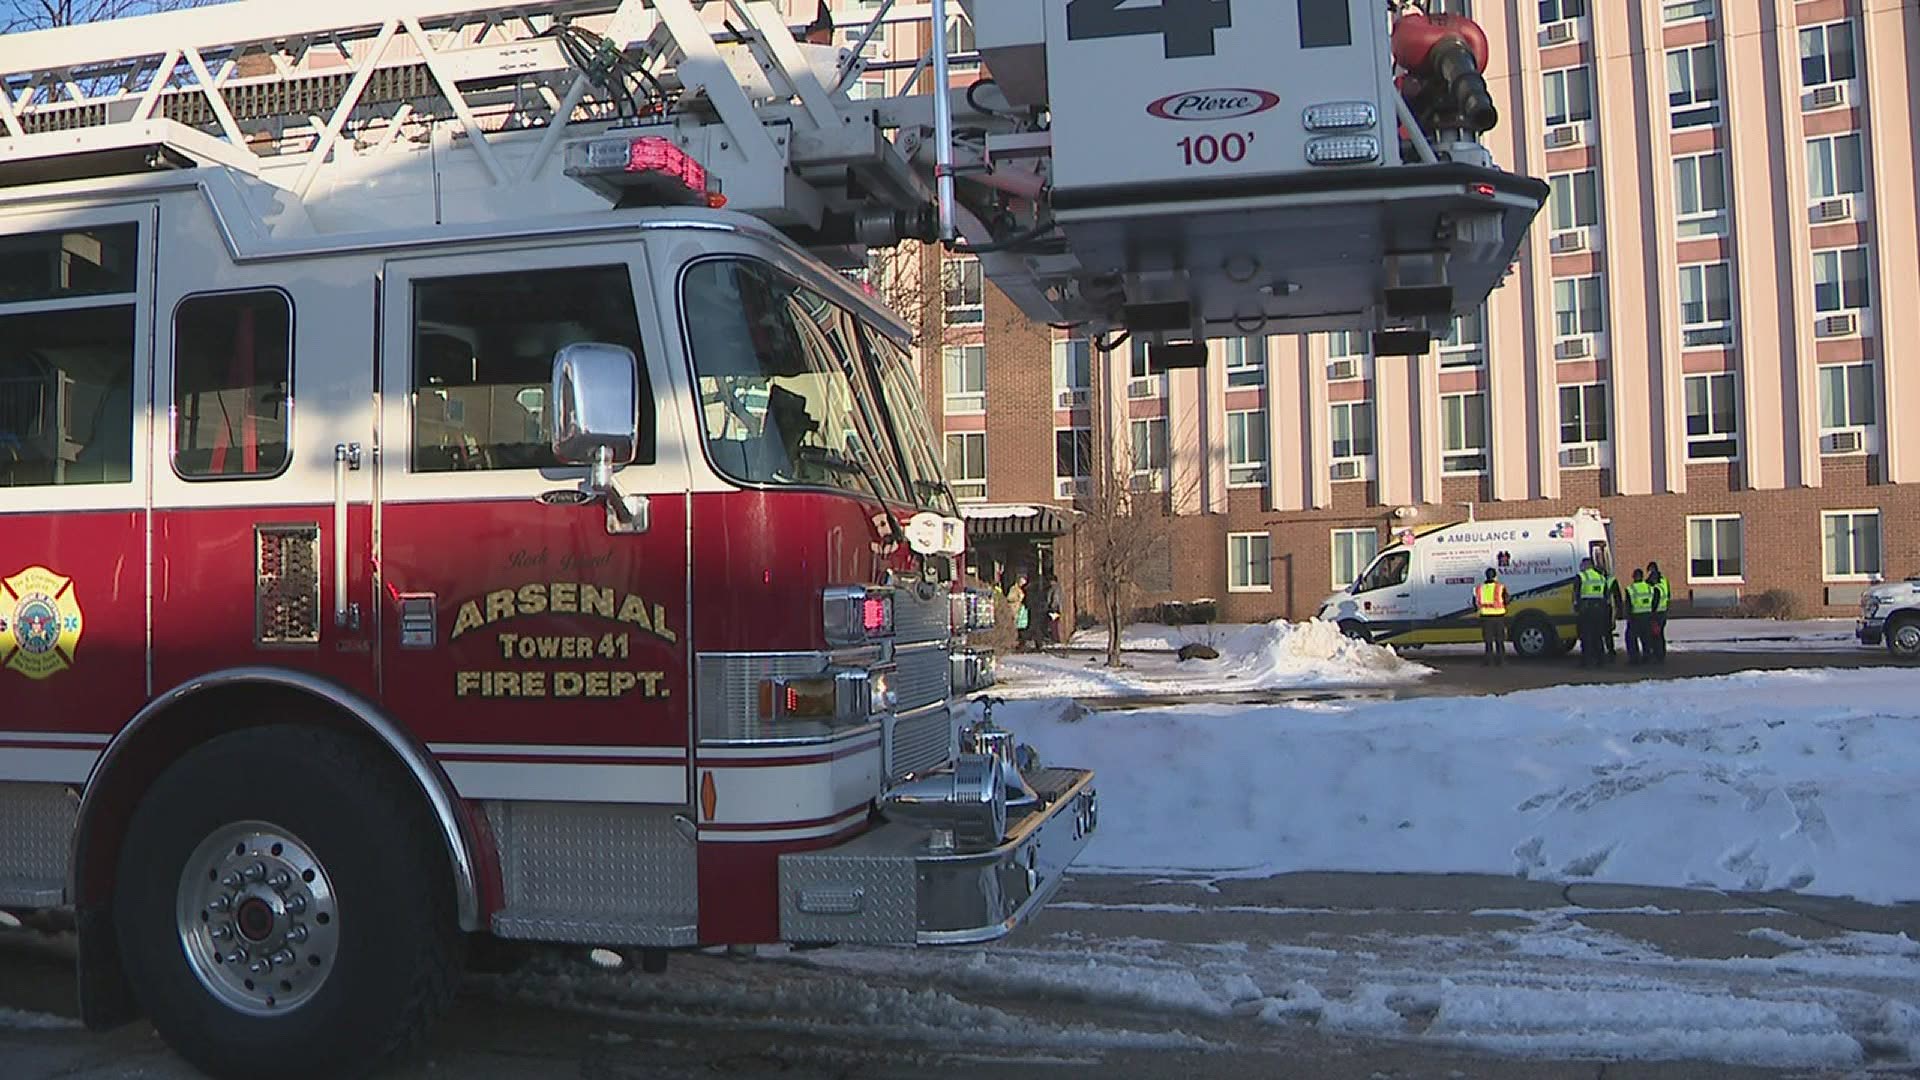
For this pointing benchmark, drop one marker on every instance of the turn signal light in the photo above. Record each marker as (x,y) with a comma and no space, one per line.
(798,699)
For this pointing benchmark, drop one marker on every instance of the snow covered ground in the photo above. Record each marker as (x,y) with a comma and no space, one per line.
(1800,780)
(1696,634)
(1263,656)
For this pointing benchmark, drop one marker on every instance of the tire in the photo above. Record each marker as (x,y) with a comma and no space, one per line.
(1903,637)
(332,874)
(1534,637)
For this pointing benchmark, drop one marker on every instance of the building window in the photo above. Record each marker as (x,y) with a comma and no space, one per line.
(1072,462)
(1342,344)
(1249,562)
(1569,95)
(1851,544)
(1466,342)
(1575,200)
(1693,86)
(1835,166)
(960,37)
(1826,54)
(965,290)
(1706,305)
(1072,373)
(967,464)
(1700,194)
(1141,381)
(1353,549)
(1681,10)
(1246,362)
(1463,430)
(1246,448)
(1148,446)
(1840,280)
(1583,414)
(1578,307)
(966,378)
(1553,11)
(1713,549)
(232,381)
(1352,430)
(1713,427)
(1846,396)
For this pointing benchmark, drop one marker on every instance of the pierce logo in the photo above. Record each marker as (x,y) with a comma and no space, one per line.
(1216,104)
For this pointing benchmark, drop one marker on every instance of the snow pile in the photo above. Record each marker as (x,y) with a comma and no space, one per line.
(1261,657)
(1799,780)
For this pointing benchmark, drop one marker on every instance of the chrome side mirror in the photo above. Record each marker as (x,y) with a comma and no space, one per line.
(595,416)
(595,422)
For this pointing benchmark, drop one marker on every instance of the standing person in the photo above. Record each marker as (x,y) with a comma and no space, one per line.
(1017,596)
(1662,597)
(1053,611)
(1490,602)
(1590,609)
(1640,601)
(1616,610)
(1037,613)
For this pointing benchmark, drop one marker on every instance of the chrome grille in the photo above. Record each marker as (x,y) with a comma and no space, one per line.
(919,743)
(921,675)
(916,620)
(286,584)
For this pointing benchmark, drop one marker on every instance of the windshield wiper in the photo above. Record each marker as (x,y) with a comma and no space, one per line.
(835,461)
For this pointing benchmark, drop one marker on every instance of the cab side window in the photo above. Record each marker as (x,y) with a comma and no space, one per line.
(232,367)
(1391,570)
(483,350)
(66,372)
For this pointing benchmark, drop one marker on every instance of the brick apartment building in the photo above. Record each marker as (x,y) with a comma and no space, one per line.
(1705,338)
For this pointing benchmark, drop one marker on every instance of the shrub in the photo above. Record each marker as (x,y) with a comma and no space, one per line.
(1772,604)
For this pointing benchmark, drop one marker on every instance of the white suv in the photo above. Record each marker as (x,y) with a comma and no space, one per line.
(1891,613)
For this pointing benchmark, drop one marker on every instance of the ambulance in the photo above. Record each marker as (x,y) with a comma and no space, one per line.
(1419,590)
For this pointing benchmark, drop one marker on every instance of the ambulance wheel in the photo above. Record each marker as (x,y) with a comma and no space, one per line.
(1355,629)
(283,907)
(1903,638)
(1534,638)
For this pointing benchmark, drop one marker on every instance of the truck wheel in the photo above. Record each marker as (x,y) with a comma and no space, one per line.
(1534,638)
(283,907)
(1903,638)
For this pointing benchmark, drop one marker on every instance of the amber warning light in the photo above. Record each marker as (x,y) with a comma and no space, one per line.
(646,171)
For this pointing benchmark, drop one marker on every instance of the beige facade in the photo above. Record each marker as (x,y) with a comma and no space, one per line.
(1704,334)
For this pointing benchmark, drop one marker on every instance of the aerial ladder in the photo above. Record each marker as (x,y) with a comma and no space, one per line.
(1175,171)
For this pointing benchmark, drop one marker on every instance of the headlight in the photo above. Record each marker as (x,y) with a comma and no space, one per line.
(881,697)
(856,614)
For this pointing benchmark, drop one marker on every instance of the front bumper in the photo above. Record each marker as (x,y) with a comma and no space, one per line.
(887,887)
(1870,631)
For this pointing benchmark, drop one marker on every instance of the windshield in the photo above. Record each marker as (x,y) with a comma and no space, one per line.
(901,389)
(781,398)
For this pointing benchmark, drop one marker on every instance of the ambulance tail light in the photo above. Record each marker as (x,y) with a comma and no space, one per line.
(648,170)
(856,615)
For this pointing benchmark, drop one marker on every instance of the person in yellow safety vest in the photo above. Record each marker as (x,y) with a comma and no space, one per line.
(1594,611)
(1662,599)
(1640,600)
(1490,603)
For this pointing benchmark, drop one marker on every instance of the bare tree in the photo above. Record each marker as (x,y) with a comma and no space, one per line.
(1125,528)
(19,15)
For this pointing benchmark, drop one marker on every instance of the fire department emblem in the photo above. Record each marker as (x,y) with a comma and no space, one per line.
(40,622)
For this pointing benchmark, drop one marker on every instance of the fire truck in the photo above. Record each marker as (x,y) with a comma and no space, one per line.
(450,494)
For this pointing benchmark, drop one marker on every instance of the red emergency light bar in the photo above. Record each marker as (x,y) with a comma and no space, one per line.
(651,167)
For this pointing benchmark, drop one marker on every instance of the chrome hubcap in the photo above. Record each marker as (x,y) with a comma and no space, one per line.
(257,918)
(1907,638)
(1532,640)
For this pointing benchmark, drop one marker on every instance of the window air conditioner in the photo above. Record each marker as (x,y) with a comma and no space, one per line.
(1830,96)
(1561,137)
(1845,324)
(1579,457)
(1348,368)
(1838,208)
(1557,33)
(1843,442)
(1346,469)
(1573,348)
(1072,398)
(1568,241)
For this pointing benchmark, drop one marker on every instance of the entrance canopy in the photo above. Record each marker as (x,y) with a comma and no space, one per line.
(1014,522)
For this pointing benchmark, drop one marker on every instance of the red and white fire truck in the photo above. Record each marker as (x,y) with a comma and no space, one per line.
(446,490)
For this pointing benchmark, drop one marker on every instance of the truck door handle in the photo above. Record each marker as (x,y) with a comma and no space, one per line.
(346,458)
(1402,595)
